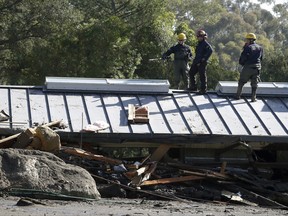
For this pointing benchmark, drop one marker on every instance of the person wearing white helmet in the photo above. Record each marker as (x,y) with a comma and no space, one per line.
(182,55)
(250,59)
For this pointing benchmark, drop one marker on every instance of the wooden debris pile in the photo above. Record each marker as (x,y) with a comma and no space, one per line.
(178,181)
(152,177)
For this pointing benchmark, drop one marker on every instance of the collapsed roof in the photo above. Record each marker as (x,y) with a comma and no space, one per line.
(175,116)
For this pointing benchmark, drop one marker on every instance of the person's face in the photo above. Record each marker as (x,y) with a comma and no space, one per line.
(181,41)
(200,38)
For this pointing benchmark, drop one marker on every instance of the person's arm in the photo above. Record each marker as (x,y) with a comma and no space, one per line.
(189,55)
(244,56)
(208,52)
(262,54)
(168,53)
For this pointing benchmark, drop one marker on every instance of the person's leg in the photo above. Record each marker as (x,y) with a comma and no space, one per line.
(186,75)
(176,75)
(192,80)
(203,77)
(239,90)
(254,84)
(244,77)
(183,70)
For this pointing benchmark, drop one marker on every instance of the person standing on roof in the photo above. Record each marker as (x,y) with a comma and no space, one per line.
(182,54)
(250,59)
(203,52)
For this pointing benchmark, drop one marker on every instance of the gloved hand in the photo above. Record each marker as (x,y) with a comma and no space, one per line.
(164,57)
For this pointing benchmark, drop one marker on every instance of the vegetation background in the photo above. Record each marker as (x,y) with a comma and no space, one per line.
(126,38)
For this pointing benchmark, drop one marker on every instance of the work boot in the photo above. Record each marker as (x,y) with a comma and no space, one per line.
(192,89)
(201,92)
(253,96)
(239,91)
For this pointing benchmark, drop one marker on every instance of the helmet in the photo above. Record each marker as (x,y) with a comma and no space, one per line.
(201,33)
(181,36)
(251,36)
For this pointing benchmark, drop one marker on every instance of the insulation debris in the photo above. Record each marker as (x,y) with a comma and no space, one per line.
(96,126)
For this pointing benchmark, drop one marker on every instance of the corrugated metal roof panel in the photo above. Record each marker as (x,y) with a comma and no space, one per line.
(178,113)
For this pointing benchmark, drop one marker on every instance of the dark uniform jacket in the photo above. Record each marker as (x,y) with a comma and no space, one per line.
(203,52)
(252,54)
(181,52)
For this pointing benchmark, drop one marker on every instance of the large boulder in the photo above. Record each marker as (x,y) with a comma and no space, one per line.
(37,170)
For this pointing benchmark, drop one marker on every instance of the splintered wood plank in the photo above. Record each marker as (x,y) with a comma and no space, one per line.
(172,180)
(89,155)
(131,113)
(160,152)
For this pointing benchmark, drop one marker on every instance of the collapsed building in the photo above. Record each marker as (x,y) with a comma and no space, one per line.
(103,113)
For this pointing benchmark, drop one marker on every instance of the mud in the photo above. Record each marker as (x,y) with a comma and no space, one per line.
(127,207)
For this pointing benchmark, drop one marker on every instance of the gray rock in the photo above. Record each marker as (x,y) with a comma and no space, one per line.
(37,170)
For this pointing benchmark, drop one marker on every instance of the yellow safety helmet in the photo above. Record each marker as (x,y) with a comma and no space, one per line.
(181,36)
(251,36)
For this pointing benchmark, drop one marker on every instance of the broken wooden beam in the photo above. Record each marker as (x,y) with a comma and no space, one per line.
(223,167)
(159,153)
(189,169)
(88,155)
(171,180)
(209,174)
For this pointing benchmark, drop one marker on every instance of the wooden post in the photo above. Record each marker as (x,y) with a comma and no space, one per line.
(223,167)
(159,153)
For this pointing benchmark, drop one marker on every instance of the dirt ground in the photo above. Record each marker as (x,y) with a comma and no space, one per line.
(128,207)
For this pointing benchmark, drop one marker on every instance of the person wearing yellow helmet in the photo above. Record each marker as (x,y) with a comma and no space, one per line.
(250,59)
(181,37)
(251,36)
(203,52)
(182,55)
